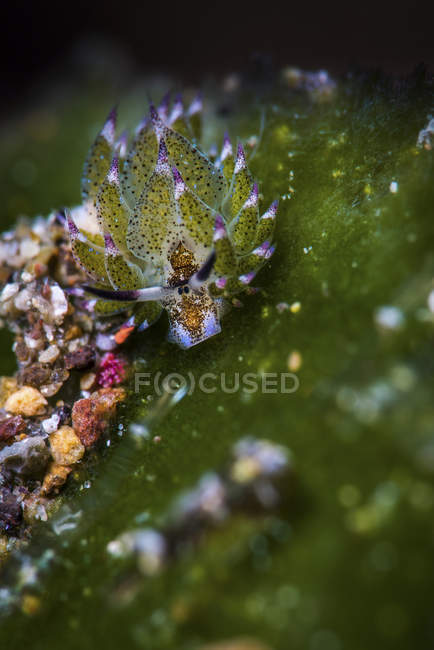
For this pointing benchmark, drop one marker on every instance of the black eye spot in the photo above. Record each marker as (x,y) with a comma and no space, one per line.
(180,291)
(186,289)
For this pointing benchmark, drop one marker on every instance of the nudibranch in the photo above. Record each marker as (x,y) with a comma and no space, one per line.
(164,226)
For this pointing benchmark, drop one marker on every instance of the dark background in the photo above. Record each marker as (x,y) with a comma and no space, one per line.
(39,37)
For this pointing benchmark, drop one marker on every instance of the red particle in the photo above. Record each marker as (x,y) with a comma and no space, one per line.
(11,427)
(112,370)
(91,415)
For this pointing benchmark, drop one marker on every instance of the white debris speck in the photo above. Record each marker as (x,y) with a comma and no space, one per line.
(148,545)
(66,520)
(42,305)
(389,317)
(9,291)
(282,306)
(23,300)
(27,574)
(139,430)
(59,303)
(50,425)
(6,599)
(105,342)
(29,248)
(33,344)
(208,497)
(74,345)
(393,187)
(431,301)
(307,249)
(49,355)
(27,277)
(151,550)
(48,329)
(9,253)
(39,226)
(257,458)
(115,548)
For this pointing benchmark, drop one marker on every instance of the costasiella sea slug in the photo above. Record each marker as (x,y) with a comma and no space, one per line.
(164,226)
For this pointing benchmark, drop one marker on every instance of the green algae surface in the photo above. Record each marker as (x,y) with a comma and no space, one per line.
(348,564)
